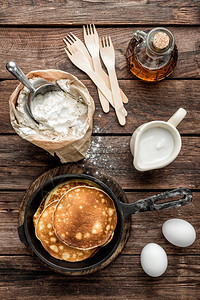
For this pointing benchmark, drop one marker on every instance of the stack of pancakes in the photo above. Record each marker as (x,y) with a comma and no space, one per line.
(74,220)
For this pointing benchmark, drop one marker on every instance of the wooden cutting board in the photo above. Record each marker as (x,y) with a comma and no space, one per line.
(80,168)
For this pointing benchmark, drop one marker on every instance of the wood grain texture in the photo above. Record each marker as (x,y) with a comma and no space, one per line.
(88,169)
(123,279)
(10,200)
(31,33)
(147,103)
(42,48)
(22,162)
(101,12)
(145,227)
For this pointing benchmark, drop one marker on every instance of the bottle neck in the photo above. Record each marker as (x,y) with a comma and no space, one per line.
(159,43)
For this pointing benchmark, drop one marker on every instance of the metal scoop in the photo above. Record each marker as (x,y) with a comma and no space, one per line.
(34,91)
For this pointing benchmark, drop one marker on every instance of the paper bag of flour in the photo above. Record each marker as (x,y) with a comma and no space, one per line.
(68,147)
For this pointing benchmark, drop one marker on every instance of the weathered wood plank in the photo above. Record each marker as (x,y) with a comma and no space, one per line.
(102,12)
(10,200)
(146,227)
(23,277)
(146,103)
(22,162)
(42,48)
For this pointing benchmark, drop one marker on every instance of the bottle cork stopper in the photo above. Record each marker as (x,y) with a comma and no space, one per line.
(160,40)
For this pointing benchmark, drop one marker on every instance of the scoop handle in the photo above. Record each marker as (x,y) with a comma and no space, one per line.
(13,68)
(149,204)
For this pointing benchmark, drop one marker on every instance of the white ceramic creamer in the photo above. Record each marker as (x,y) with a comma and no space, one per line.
(156,144)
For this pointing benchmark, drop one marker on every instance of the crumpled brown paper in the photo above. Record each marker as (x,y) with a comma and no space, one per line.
(72,148)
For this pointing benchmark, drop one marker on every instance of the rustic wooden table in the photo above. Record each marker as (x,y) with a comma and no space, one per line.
(31,33)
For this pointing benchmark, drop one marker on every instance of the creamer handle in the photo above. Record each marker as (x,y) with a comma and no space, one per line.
(177,117)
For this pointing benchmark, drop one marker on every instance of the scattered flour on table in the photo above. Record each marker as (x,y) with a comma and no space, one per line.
(59,114)
(103,155)
(99,158)
(96,129)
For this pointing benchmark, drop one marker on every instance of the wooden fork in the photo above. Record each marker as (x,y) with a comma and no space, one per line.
(80,60)
(91,39)
(72,39)
(108,56)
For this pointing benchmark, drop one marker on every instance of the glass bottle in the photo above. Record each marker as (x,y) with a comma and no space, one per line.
(152,56)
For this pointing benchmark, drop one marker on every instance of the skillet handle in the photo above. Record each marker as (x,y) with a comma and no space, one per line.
(22,235)
(149,204)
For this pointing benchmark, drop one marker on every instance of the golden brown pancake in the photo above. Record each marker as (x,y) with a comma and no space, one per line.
(39,210)
(62,188)
(109,240)
(85,218)
(58,192)
(46,235)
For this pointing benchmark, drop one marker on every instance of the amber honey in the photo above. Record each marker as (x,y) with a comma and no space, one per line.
(146,66)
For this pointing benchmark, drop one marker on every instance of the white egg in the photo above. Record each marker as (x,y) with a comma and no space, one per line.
(179,232)
(154,260)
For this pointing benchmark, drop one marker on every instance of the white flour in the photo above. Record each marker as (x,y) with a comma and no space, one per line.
(59,114)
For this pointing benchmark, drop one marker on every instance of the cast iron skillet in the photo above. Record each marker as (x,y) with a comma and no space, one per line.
(27,232)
